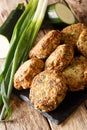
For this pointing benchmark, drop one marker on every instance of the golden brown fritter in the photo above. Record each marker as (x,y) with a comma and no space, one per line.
(26,72)
(48,89)
(82,43)
(71,33)
(46,45)
(76,74)
(60,58)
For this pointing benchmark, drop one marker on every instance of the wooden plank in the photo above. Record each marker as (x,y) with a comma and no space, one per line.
(23,116)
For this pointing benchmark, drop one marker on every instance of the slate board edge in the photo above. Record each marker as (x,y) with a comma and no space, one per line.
(26,99)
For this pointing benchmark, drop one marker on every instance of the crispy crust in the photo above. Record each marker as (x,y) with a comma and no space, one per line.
(48,90)
(82,43)
(71,33)
(76,74)
(46,45)
(26,72)
(60,58)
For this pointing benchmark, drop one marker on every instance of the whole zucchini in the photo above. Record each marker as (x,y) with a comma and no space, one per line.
(7,27)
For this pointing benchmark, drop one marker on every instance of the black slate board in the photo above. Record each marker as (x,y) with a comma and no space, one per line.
(67,107)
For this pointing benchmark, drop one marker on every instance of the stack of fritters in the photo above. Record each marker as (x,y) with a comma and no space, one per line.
(57,67)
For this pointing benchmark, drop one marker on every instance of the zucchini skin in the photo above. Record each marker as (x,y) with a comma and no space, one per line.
(52,15)
(53,19)
(7,27)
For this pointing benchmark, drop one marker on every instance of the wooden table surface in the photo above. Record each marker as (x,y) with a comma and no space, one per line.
(23,116)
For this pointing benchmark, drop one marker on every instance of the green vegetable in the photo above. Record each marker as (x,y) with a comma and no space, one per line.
(59,13)
(15,37)
(23,37)
(0,99)
(8,26)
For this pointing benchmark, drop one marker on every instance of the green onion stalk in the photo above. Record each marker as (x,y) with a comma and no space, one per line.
(23,37)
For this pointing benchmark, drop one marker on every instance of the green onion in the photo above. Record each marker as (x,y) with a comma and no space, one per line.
(24,35)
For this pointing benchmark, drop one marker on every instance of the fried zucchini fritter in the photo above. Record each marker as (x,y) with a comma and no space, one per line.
(48,89)
(76,74)
(71,33)
(60,57)
(82,43)
(26,72)
(46,45)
